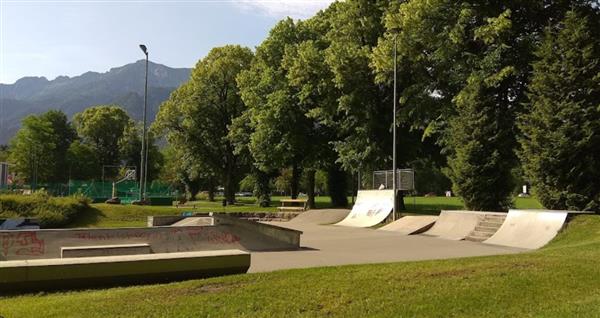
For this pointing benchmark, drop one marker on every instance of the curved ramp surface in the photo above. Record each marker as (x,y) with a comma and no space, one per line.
(371,208)
(411,224)
(320,217)
(457,225)
(529,229)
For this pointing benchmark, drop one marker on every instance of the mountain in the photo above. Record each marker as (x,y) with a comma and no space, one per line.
(123,86)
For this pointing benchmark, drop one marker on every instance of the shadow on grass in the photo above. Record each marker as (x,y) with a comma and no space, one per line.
(89,217)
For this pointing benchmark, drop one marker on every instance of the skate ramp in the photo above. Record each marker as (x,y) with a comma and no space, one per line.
(320,217)
(529,229)
(457,225)
(371,208)
(411,224)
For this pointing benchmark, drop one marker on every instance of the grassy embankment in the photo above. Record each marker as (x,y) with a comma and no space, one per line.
(104,215)
(560,280)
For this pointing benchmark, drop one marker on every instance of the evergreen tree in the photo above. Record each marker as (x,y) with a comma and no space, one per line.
(561,133)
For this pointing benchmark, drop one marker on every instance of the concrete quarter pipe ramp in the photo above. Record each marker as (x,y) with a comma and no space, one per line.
(320,217)
(411,224)
(371,208)
(457,225)
(529,229)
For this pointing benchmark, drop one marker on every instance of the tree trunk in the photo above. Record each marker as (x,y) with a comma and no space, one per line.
(211,190)
(191,188)
(336,179)
(295,182)
(310,191)
(401,205)
(229,187)
(262,189)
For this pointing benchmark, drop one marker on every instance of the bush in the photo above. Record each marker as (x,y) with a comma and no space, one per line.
(50,211)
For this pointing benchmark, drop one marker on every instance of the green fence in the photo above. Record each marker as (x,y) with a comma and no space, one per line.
(100,191)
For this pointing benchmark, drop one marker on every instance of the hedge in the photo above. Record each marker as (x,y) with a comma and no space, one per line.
(50,211)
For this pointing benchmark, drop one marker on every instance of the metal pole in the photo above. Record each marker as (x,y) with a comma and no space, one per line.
(143,153)
(394,186)
(146,133)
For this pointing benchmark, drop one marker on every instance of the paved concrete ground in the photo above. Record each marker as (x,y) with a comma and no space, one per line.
(329,245)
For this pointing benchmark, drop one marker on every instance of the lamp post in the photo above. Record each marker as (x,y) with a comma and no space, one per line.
(394,183)
(144,154)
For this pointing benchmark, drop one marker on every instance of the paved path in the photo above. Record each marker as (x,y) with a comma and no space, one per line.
(329,245)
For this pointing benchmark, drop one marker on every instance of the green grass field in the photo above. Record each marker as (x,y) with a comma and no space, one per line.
(560,280)
(105,215)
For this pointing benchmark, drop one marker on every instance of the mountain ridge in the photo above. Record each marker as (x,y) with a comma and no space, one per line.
(122,85)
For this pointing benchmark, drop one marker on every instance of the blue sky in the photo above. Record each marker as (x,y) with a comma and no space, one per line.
(69,37)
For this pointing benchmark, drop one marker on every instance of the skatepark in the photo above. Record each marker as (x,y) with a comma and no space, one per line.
(185,247)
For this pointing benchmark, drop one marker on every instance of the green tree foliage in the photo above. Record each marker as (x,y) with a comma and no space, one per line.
(101,127)
(561,132)
(464,69)
(83,162)
(278,126)
(362,114)
(198,115)
(286,83)
(39,150)
(4,153)
(130,145)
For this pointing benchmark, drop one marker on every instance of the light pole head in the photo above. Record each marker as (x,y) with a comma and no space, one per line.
(144,49)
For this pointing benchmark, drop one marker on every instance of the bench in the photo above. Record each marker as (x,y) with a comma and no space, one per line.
(292,205)
(104,250)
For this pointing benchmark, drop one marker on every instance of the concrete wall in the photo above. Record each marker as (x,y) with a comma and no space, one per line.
(284,235)
(261,216)
(229,234)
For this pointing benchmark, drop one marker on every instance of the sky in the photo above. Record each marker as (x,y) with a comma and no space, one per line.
(70,37)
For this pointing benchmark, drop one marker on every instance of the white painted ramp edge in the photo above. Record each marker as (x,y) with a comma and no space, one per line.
(529,229)
(371,208)
(410,224)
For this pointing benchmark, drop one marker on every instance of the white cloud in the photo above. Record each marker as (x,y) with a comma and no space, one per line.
(298,9)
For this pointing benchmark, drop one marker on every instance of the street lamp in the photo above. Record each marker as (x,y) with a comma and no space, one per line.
(144,154)
(394,183)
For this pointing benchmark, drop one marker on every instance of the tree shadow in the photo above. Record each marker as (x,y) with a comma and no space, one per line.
(87,218)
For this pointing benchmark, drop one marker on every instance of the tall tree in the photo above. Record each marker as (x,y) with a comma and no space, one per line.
(561,132)
(362,114)
(39,150)
(102,127)
(460,59)
(280,128)
(206,107)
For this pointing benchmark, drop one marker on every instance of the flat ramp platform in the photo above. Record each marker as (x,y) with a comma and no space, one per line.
(411,224)
(529,229)
(371,208)
(457,225)
(194,221)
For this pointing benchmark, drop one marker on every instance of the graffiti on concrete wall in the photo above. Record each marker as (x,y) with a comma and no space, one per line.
(21,243)
(206,234)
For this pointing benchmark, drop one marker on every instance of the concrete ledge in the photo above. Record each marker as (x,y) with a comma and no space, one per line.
(67,273)
(104,250)
(287,238)
(163,220)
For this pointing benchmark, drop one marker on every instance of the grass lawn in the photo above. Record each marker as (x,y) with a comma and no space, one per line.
(560,280)
(106,215)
